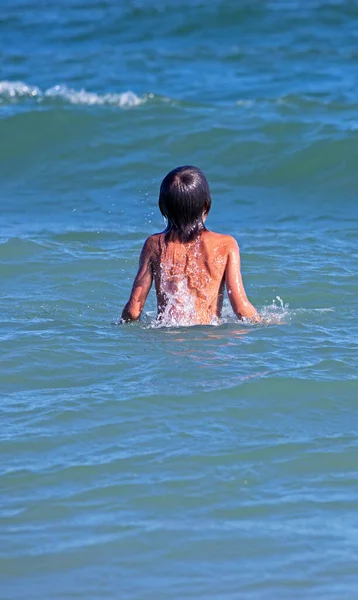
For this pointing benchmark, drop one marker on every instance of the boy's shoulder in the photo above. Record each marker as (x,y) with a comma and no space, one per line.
(223,239)
(152,239)
(152,242)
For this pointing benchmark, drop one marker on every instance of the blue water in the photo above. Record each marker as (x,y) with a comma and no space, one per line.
(198,462)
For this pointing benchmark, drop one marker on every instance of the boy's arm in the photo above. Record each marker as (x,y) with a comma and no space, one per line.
(141,286)
(235,287)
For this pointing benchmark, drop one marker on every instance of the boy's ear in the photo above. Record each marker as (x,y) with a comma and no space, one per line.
(161,208)
(206,209)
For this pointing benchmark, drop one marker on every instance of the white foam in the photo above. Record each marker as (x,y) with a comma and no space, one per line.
(12,91)
(125,99)
(244,103)
(18,89)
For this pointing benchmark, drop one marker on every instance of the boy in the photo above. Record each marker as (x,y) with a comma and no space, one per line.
(190,265)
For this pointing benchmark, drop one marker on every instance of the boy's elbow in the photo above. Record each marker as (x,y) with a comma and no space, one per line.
(130,313)
(248,312)
(252,314)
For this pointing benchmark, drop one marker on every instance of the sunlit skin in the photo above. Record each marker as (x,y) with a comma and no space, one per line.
(204,266)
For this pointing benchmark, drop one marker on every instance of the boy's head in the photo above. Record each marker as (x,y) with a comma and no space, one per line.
(184,200)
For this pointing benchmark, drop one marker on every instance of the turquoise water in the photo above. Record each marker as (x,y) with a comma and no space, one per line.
(178,463)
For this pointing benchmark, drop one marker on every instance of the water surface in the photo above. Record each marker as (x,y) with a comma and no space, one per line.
(182,462)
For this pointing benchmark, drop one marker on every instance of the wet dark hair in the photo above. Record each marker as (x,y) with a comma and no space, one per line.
(184,197)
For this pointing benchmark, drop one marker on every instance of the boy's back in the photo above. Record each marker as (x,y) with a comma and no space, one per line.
(190,278)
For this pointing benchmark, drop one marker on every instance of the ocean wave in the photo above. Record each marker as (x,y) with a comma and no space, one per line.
(17,91)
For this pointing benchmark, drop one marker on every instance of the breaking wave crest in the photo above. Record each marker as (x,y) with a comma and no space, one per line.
(12,92)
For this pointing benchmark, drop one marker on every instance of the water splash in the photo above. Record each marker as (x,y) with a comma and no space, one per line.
(180,311)
(180,308)
(279,313)
(276,313)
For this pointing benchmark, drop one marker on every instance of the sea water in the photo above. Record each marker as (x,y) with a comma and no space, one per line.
(172,462)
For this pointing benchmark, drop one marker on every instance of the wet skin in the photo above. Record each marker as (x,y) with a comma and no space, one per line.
(190,278)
